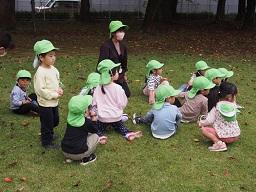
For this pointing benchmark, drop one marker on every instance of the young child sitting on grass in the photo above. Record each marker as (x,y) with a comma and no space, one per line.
(111,100)
(215,76)
(80,139)
(20,101)
(201,67)
(153,79)
(195,102)
(164,117)
(220,125)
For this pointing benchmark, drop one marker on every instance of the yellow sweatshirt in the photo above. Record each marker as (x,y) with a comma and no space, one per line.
(46,83)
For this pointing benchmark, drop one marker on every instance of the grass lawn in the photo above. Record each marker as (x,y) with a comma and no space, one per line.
(180,163)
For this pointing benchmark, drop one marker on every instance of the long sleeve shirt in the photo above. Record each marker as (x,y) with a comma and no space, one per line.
(46,84)
(111,104)
(165,121)
(108,51)
(16,97)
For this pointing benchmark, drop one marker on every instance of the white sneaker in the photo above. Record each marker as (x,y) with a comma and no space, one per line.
(218,146)
(124,117)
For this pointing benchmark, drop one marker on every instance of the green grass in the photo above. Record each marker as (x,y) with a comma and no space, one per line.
(147,164)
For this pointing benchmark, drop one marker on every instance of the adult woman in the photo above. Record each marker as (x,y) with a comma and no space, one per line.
(115,50)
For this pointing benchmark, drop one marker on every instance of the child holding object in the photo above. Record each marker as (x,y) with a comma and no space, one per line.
(220,125)
(111,100)
(164,117)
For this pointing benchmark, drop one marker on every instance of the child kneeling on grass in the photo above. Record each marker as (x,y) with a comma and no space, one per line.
(220,125)
(80,139)
(195,103)
(21,102)
(110,100)
(164,116)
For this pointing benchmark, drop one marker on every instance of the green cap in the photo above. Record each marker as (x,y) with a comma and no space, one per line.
(213,73)
(43,46)
(104,67)
(93,80)
(226,72)
(115,25)
(200,83)
(76,108)
(162,92)
(23,74)
(227,110)
(153,64)
(201,65)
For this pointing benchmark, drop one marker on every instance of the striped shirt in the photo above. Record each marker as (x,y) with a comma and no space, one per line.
(153,82)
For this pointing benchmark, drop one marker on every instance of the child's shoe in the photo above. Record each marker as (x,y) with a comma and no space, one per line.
(124,117)
(87,160)
(103,140)
(133,135)
(218,146)
(68,160)
(136,119)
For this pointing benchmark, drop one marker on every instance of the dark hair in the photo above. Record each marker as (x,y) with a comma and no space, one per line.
(112,73)
(6,40)
(227,88)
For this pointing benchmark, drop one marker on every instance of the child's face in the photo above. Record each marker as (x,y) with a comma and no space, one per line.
(49,59)
(115,77)
(24,82)
(170,99)
(205,92)
(217,81)
(158,71)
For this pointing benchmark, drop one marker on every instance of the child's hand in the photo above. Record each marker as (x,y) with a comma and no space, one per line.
(151,101)
(25,102)
(60,91)
(163,79)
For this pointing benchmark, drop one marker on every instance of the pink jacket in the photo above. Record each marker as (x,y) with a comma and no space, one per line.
(111,104)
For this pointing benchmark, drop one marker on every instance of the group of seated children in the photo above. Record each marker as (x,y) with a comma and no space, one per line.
(100,104)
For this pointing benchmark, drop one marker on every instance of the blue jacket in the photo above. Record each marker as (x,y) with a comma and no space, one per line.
(16,97)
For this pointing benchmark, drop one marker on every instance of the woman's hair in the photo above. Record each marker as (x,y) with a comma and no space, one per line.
(227,88)
(112,73)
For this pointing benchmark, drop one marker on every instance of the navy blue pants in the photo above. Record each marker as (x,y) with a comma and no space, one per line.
(49,118)
(118,126)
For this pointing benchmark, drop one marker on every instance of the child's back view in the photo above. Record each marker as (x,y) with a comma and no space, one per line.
(164,117)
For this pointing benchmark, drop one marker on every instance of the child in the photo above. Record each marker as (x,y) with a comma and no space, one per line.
(153,79)
(80,140)
(220,125)
(227,73)
(215,76)
(110,100)
(20,102)
(48,90)
(93,80)
(164,117)
(201,67)
(195,103)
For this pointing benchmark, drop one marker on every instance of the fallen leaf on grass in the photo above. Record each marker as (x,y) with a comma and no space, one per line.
(20,189)
(23,179)
(24,123)
(76,184)
(231,158)
(226,173)
(196,140)
(109,183)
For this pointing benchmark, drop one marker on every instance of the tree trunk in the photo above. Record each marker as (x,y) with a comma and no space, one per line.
(7,14)
(159,11)
(220,10)
(33,12)
(241,10)
(250,13)
(85,11)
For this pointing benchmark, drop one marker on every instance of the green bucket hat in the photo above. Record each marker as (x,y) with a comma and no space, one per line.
(201,65)
(227,110)
(104,67)
(115,25)
(212,73)
(76,108)
(23,74)
(200,83)
(226,72)
(93,80)
(153,64)
(162,92)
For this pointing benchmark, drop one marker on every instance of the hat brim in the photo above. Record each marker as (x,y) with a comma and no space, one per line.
(211,85)
(204,68)
(229,74)
(192,93)
(125,27)
(175,93)
(158,105)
